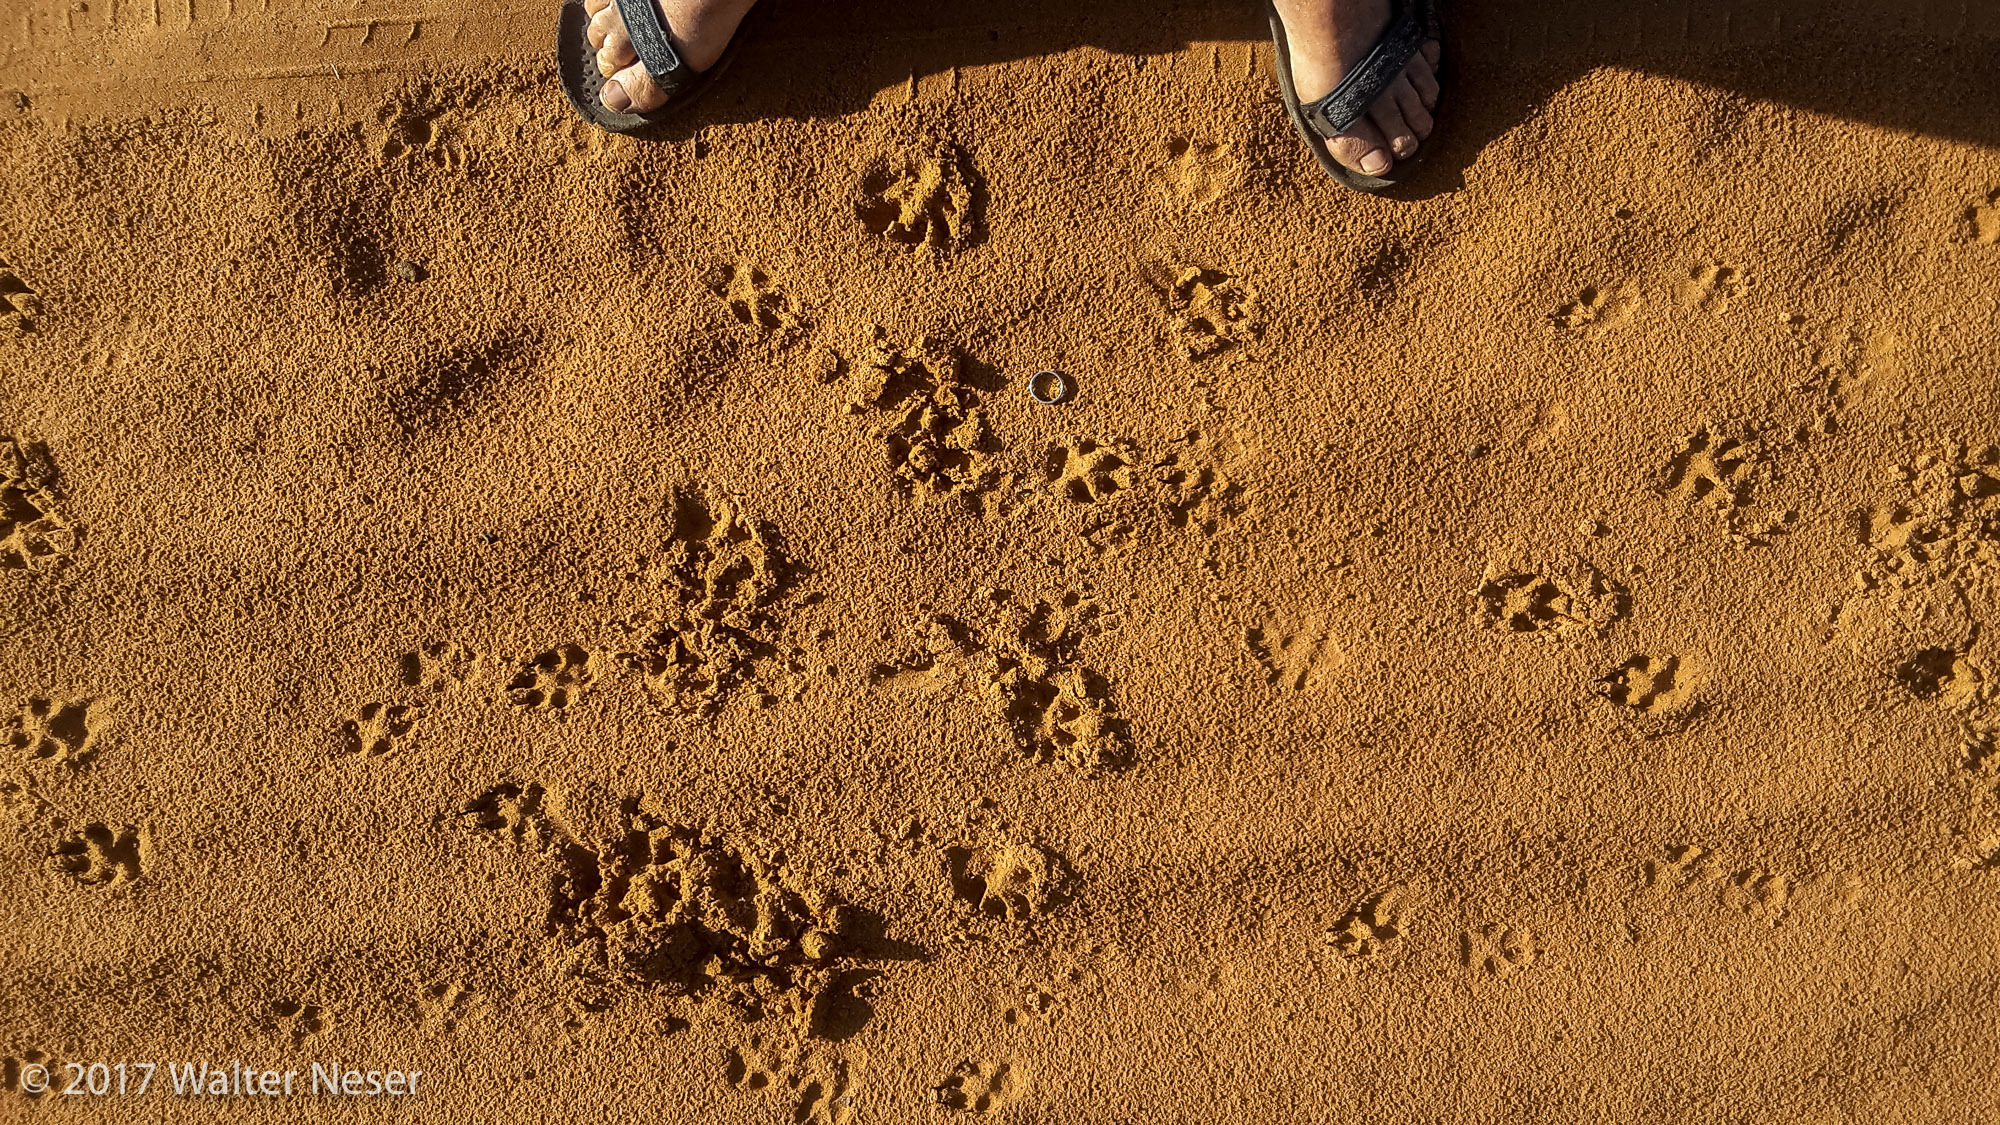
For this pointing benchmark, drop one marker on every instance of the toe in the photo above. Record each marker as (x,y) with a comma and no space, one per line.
(596,6)
(1423,76)
(1412,106)
(603,24)
(1362,149)
(635,89)
(1388,118)
(616,54)
(1432,51)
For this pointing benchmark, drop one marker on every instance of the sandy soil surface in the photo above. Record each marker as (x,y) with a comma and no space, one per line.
(601,623)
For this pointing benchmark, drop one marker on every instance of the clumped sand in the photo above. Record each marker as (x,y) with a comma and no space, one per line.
(602,622)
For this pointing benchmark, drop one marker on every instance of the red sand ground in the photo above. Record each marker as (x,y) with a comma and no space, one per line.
(601,622)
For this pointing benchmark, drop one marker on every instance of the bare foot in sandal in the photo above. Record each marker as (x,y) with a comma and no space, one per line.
(700,31)
(1327,39)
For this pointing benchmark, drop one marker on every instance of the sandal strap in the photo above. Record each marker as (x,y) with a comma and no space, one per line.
(655,49)
(1337,112)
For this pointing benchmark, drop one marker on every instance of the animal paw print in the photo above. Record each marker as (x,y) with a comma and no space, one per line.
(932,424)
(924,201)
(1058,708)
(1194,490)
(1984,220)
(1036,1002)
(34,534)
(1713,287)
(754,301)
(1011,883)
(826,1093)
(1295,658)
(294,1020)
(723,575)
(413,136)
(20,306)
(1757,894)
(1088,472)
(1753,892)
(1657,691)
(1564,599)
(1498,951)
(511,813)
(443,1004)
(977,1087)
(1712,469)
(1371,929)
(1720,467)
(19,803)
(1684,865)
(1197,173)
(441,666)
(822,1088)
(1597,311)
(1948,517)
(551,680)
(57,730)
(753,1069)
(1984,856)
(378,728)
(1211,312)
(13,1068)
(100,855)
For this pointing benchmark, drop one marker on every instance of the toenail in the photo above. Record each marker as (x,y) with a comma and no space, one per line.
(1404,145)
(614,96)
(1375,163)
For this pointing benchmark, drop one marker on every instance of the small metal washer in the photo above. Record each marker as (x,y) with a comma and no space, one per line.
(1048,387)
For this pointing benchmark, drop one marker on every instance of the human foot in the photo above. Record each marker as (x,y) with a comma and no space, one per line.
(1326,39)
(700,31)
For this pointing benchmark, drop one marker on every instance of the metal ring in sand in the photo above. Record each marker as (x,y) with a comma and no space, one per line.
(1048,387)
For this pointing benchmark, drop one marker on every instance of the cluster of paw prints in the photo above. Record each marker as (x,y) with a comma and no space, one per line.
(670,909)
(1025,659)
(47,739)
(709,632)
(1568,598)
(1597,311)
(36,534)
(1374,931)
(1915,612)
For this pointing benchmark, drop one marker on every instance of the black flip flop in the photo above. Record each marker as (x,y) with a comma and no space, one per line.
(1410,23)
(576,62)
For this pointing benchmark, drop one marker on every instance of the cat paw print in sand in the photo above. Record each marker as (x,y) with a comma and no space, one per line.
(552,680)
(61,731)
(1554,599)
(1088,472)
(1655,693)
(1211,312)
(980,1088)
(377,729)
(34,532)
(1596,311)
(1372,929)
(754,301)
(1713,287)
(101,855)
(294,1020)
(1014,882)
(922,406)
(1498,951)
(1196,173)
(928,201)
